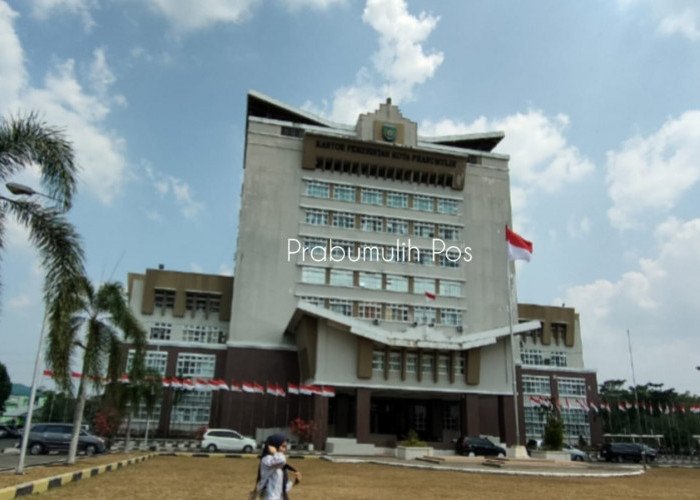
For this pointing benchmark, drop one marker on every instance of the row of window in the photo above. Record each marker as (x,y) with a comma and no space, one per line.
(164,298)
(204,334)
(566,386)
(189,364)
(379,224)
(318,250)
(379,281)
(575,422)
(390,312)
(535,357)
(370,196)
(393,363)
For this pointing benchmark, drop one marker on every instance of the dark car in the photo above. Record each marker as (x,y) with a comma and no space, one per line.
(473,446)
(7,431)
(44,438)
(630,452)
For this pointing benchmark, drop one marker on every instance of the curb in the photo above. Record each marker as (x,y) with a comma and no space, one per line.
(226,455)
(49,483)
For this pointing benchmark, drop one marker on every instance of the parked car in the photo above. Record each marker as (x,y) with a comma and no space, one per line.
(7,431)
(575,453)
(226,440)
(631,452)
(473,446)
(44,438)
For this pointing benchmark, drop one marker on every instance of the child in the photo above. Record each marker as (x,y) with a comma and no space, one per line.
(272,483)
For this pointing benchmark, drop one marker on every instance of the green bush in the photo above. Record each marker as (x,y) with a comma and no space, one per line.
(412,440)
(553,433)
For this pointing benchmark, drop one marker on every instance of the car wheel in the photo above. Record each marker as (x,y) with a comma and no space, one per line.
(247,449)
(90,450)
(36,449)
(501,455)
(211,448)
(471,454)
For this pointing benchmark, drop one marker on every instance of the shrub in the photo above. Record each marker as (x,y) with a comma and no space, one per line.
(303,430)
(554,433)
(413,440)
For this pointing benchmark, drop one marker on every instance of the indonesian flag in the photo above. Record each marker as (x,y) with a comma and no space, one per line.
(48,373)
(292,388)
(258,388)
(328,392)
(202,385)
(80,375)
(316,390)
(236,386)
(593,406)
(305,390)
(166,382)
(534,399)
(188,384)
(175,383)
(621,407)
(518,247)
(628,405)
(582,404)
(223,386)
(280,391)
(247,386)
(271,389)
(124,379)
(429,296)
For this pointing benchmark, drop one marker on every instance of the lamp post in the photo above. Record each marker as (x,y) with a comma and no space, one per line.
(22,190)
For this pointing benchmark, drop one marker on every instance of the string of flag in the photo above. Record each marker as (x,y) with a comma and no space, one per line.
(621,406)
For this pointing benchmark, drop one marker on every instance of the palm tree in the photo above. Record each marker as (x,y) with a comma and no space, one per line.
(145,390)
(98,321)
(26,141)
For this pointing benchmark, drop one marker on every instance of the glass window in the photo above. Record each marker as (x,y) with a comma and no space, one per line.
(394,361)
(369,310)
(317,301)
(459,364)
(427,362)
(195,365)
(426,258)
(342,249)
(164,299)
(424,203)
(205,334)
(318,189)
(422,285)
(424,315)
(344,220)
(396,283)
(411,362)
(397,200)
(378,360)
(193,408)
(339,306)
(154,360)
(316,217)
(449,207)
(315,247)
(451,317)
(424,229)
(371,196)
(396,226)
(450,288)
(531,357)
(558,359)
(571,386)
(371,223)
(443,364)
(373,281)
(161,331)
(398,312)
(448,232)
(313,275)
(341,277)
(450,260)
(533,384)
(344,193)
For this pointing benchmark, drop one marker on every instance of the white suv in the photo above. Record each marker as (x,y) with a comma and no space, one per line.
(226,440)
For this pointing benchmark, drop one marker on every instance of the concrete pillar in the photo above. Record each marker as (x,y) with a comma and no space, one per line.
(362,408)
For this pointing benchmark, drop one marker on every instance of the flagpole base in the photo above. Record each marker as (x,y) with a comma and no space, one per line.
(517,452)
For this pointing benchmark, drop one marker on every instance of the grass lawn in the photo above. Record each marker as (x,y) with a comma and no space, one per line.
(175,478)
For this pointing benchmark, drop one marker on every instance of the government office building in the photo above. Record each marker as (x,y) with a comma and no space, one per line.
(371,260)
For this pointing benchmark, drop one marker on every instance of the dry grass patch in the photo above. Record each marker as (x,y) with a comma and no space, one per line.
(180,478)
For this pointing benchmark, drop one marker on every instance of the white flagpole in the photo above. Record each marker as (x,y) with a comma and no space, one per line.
(512,349)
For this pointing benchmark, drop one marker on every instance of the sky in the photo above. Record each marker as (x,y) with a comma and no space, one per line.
(599,102)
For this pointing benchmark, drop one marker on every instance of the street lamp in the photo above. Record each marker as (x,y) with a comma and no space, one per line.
(20,189)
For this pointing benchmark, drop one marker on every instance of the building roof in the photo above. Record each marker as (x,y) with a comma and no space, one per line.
(417,337)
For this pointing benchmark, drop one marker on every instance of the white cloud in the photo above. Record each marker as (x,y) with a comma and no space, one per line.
(21,301)
(541,158)
(672,17)
(44,9)
(657,302)
(14,75)
(652,173)
(187,15)
(226,270)
(166,186)
(294,5)
(399,65)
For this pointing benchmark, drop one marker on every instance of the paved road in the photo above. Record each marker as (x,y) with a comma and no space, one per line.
(9,459)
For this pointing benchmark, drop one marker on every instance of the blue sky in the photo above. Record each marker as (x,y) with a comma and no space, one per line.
(599,102)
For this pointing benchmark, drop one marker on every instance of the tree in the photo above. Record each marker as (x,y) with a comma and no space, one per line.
(5,387)
(97,320)
(26,141)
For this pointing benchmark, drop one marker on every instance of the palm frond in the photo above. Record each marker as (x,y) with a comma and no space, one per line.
(25,140)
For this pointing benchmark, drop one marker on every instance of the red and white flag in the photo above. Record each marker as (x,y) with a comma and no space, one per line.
(124,379)
(279,391)
(518,247)
(593,406)
(166,382)
(429,296)
(236,386)
(328,392)
(258,388)
(292,388)
(247,387)
(621,406)
(223,386)
(188,384)
(48,373)
(305,390)
(175,383)
(271,389)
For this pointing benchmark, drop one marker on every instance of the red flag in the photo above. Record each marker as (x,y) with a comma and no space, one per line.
(258,388)
(518,247)
(430,296)
(328,392)
(247,386)
(76,375)
(48,373)
(271,389)
(292,388)
(166,382)
(236,386)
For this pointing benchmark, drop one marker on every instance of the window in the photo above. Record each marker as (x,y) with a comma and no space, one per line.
(396,283)
(316,217)
(533,384)
(459,364)
(315,247)
(313,275)
(195,365)
(422,285)
(397,200)
(154,360)
(164,299)
(532,357)
(340,277)
(427,364)
(394,361)
(448,232)
(193,408)
(344,220)
(397,312)
(339,306)
(450,288)
(395,253)
(450,418)
(378,360)
(372,281)
(369,310)
(201,301)
(344,193)
(575,422)
(411,362)
(534,422)
(203,334)
(449,207)
(423,229)
(318,189)
(371,196)
(317,301)
(425,258)
(424,315)
(396,226)
(371,223)
(161,331)
(450,260)
(451,317)
(571,386)
(558,359)
(443,364)
(424,203)
(342,249)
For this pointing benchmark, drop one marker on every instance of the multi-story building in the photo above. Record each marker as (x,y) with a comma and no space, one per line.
(552,373)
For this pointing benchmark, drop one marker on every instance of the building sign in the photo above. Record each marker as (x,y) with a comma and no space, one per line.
(389,133)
